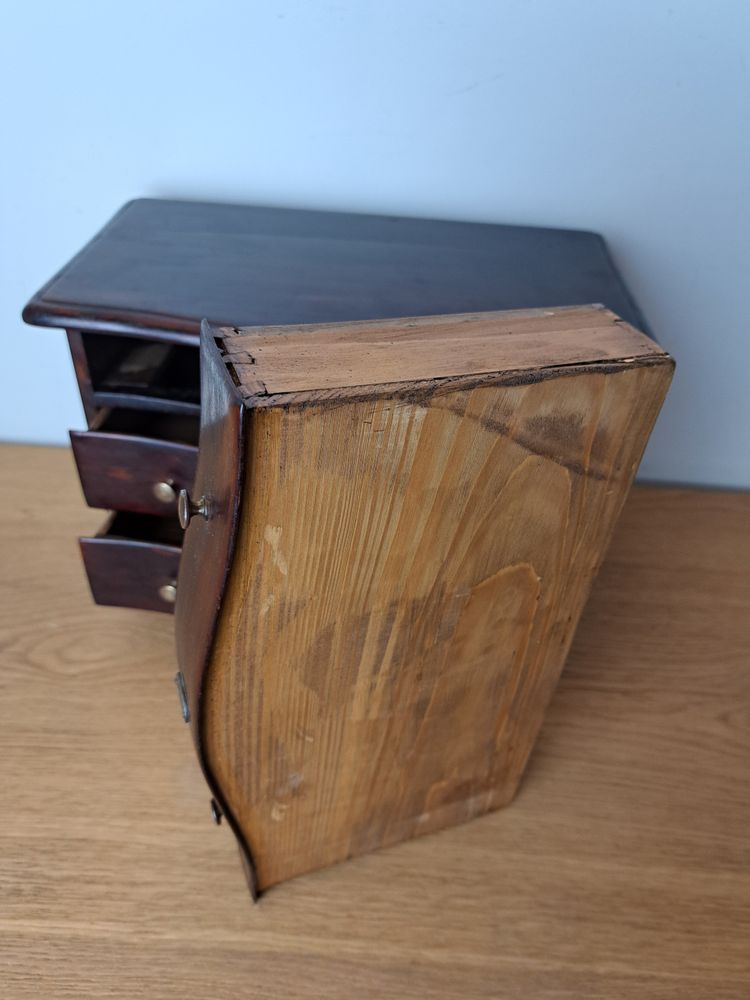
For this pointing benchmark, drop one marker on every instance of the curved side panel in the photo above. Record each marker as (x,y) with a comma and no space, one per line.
(208,548)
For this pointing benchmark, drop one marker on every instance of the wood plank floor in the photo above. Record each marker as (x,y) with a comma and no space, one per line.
(622,869)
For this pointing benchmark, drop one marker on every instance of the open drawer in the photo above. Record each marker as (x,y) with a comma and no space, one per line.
(133,561)
(137,461)
(156,375)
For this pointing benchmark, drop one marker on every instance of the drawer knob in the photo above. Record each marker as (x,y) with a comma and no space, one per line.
(187,508)
(168,592)
(165,491)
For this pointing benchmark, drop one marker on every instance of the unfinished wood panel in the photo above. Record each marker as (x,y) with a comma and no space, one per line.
(299,359)
(406,584)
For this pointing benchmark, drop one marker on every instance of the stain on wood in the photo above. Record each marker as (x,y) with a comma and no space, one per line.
(412,559)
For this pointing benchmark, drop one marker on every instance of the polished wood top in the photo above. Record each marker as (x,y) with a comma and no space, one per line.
(620,871)
(166,265)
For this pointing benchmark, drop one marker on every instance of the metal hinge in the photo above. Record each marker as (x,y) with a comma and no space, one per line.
(182,691)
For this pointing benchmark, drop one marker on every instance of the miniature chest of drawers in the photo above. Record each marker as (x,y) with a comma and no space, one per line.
(398,459)
(133,299)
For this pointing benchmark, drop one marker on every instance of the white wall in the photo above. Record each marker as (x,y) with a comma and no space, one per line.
(625,116)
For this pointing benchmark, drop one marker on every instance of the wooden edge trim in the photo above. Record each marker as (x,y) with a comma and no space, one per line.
(628,347)
(592,313)
(128,322)
(199,599)
(416,392)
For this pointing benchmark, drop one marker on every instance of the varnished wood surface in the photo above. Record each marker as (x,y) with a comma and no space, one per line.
(620,871)
(207,553)
(161,265)
(120,471)
(407,579)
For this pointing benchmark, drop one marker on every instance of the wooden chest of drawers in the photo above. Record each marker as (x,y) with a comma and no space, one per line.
(404,490)
(133,299)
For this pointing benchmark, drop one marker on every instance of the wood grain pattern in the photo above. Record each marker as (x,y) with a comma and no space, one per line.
(133,299)
(159,267)
(407,580)
(130,559)
(622,869)
(208,550)
(120,471)
(276,360)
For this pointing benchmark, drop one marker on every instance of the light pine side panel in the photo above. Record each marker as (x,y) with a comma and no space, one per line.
(406,584)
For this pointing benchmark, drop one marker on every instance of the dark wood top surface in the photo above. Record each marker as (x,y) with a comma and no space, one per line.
(166,265)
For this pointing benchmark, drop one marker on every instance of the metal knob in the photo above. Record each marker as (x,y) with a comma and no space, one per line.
(187,508)
(168,592)
(165,491)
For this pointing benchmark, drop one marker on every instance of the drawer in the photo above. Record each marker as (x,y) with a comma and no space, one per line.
(133,561)
(145,374)
(136,461)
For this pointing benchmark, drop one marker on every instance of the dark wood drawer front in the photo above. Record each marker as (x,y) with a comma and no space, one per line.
(133,563)
(122,472)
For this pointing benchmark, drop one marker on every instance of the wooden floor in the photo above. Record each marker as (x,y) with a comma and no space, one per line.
(622,869)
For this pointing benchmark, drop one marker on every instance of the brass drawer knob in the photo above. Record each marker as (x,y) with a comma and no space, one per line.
(168,592)
(165,491)
(187,508)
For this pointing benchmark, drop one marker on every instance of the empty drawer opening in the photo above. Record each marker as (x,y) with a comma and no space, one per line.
(180,428)
(126,371)
(143,528)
